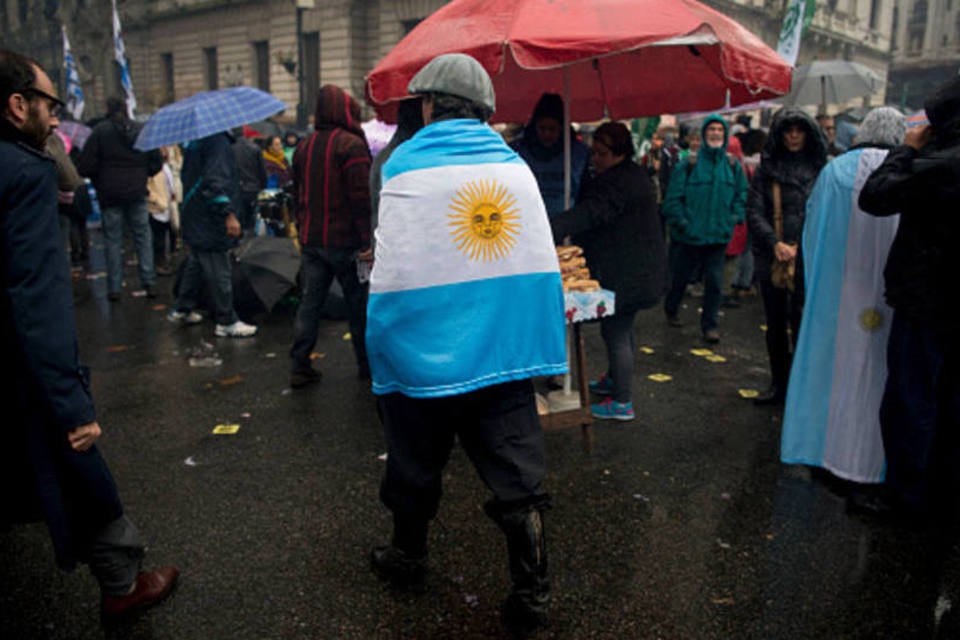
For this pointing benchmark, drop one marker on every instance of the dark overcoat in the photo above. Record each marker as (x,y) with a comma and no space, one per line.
(617,223)
(46,392)
(211,192)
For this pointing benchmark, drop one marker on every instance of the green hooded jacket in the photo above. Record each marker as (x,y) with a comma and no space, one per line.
(707,194)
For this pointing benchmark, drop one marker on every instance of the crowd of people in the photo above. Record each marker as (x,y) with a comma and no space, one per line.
(848,249)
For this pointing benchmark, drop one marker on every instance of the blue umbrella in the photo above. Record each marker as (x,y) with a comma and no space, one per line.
(204,114)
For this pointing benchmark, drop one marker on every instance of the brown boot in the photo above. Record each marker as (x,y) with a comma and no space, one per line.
(150,588)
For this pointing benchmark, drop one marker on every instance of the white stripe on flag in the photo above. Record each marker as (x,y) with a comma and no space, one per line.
(460,223)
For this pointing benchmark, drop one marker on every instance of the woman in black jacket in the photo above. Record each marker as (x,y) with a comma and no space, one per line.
(617,223)
(791,161)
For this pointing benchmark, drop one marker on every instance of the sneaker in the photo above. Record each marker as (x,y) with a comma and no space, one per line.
(612,410)
(238,329)
(601,387)
(711,336)
(182,317)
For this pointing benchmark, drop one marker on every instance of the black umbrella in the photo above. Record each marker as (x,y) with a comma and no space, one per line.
(267,128)
(269,265)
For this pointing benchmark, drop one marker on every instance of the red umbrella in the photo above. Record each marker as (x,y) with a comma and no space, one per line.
(615,58)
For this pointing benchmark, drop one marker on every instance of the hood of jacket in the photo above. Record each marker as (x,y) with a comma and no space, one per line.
(706,150)
(336,109)
(775,158)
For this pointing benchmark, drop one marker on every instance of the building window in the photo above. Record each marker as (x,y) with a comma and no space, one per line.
(261,65)
(410,25)
(166,71)
(875,9)
(895,28)
(210,73)
(311,70)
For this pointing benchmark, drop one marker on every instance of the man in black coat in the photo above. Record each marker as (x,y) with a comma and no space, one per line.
(920,411)
(252,175)
(50,467)
(119,173)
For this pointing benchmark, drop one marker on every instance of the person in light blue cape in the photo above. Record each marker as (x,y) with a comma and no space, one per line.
(832,416)
(466,306)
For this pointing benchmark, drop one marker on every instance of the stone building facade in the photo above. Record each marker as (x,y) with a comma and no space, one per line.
(178,47)
(926,49)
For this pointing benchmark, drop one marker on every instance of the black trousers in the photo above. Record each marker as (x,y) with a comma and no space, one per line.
(782,309)
(920,417)
(498,429)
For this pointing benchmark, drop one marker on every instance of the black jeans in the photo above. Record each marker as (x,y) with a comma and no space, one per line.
(920,417)
(318,267)
(498,429)
(619,337)
(163,242)
(782,309)
(687,259)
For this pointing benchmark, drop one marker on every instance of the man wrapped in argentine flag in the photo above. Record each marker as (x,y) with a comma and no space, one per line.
(465,291)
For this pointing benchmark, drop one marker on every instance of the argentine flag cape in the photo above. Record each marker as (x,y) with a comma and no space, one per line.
(839,370)
(465,290)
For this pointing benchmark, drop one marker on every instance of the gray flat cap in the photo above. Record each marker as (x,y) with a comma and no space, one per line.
(458,75)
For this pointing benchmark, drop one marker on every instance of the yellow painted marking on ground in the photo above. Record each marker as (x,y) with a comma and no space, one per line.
(347,336)
(226,429)
(646,350)
(763,327)
(660,377)
(226,382)
(748,393)
(716,358)
(701,352)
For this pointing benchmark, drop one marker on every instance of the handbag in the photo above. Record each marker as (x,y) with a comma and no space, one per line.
(782,273)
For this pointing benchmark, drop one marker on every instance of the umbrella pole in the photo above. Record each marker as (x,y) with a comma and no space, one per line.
(567,378)
(823,94)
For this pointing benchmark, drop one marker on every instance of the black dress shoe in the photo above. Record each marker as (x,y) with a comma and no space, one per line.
(302,378)
(771,396)
(402,570)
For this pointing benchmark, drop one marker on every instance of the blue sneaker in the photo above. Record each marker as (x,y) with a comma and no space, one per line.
(611,410)
(601,387)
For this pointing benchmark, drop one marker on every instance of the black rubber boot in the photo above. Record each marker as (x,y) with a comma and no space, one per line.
(525,609)
(404,561)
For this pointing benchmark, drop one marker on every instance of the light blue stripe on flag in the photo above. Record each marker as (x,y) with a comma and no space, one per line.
(447,143)
(452,339)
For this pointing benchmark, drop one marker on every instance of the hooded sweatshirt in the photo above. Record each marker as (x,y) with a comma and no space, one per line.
(707,194)
(331,176)
(547,163)
(796,172)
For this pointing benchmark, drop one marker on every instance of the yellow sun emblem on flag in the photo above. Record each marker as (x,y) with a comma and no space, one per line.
(485,222)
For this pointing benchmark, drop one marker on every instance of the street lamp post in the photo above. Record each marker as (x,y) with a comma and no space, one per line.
(302,5)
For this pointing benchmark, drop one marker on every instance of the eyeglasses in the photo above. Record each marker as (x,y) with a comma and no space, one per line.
(54,103)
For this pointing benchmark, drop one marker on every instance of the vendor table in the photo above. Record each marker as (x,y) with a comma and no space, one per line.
(570,408)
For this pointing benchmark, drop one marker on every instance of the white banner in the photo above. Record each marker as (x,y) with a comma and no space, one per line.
(792,31)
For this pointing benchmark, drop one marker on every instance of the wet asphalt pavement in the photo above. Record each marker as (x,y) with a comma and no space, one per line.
(682,524)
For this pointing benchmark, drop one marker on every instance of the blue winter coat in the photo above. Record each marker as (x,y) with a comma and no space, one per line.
(47,391)
(210,192)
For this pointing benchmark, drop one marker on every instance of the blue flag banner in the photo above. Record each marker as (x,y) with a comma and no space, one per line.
(74,93)
(831,419)
(120,54)
(465,290)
